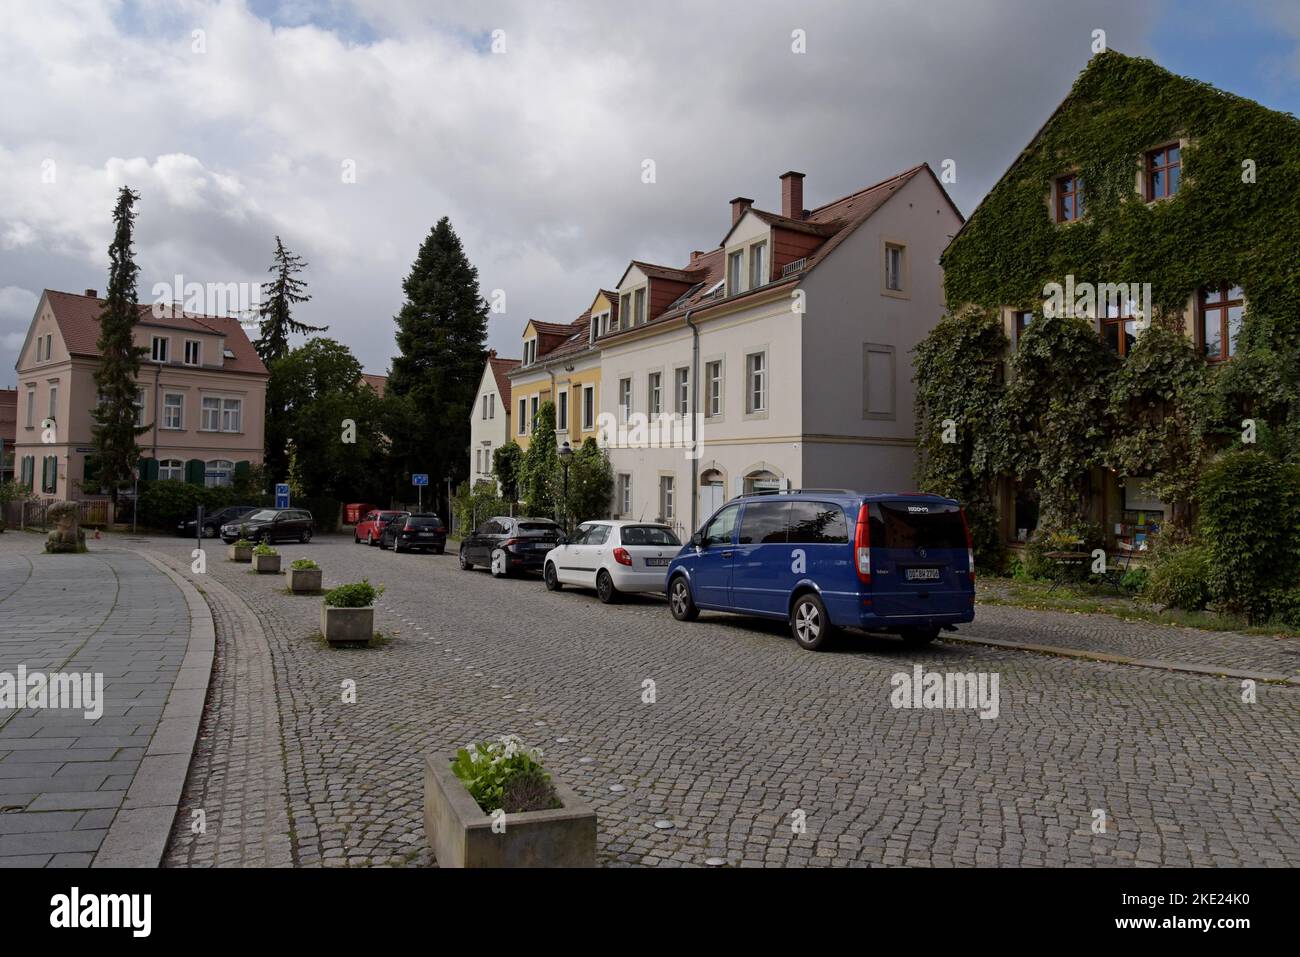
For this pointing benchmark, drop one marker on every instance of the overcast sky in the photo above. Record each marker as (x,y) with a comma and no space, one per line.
(535,150)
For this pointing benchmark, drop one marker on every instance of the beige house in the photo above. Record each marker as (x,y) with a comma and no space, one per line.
(202,395)
(489,419)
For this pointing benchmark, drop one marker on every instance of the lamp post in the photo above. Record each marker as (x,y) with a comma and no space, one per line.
(566,453)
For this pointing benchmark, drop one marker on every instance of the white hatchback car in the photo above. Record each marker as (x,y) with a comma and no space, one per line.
(613,557)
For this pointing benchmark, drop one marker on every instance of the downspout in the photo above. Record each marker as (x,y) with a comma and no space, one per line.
(695,380)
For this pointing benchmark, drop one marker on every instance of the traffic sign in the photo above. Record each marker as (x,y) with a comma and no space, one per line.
(419,478)
(282,495)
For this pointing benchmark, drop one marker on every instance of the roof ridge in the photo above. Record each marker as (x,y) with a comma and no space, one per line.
(912,171)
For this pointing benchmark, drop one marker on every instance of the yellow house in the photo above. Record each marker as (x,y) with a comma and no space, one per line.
(561,364)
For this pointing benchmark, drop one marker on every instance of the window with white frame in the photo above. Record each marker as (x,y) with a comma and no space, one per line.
(171,470)
(534,403)
(492,406)
(683,390)
(625,310)
(624,399)
(523,416)
(161,347)
(40,348)
(640,307)
(757,265)
(588,407)
(756,382)
(193,352)
(49,346)
(210,420)
(624,493)
(530,351)
(713,388)
(894,266)
(485,398)
(232,415)
(139,406)
(31,408)
(173,410)
(735,270)
(666,492)
(54,401)
(655,392)
(562,411)
(218,473)
(50,474)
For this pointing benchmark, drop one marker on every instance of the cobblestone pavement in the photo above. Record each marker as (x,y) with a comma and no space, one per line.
(747,735)
(65,776)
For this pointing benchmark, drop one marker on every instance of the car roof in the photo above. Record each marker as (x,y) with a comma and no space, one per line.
(842,496)
(623,523)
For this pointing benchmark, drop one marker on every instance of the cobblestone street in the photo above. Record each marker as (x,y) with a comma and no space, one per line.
(746,731)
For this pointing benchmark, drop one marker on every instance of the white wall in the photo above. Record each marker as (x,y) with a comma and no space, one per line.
(486,433)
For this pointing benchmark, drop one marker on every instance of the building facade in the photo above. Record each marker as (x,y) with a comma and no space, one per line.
(561,364)
(201,395)
(489,420)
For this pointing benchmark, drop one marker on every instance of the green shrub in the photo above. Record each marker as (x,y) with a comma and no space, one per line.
(1285,605)
(1180,576)
(243,543)
(360,594)
(325,512)
(1250,521)
(501,771)
(1135,581)
(263,548)
(303,564)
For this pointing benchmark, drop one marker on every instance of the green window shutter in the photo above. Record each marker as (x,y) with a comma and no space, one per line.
(242,470)
(194,471)
(88,471)
(150,471)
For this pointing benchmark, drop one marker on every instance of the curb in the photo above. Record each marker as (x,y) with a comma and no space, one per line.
(138,835)
(1213,671)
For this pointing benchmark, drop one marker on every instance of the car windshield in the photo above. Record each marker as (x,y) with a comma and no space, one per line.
(904,525)
(648,535)
(264,515)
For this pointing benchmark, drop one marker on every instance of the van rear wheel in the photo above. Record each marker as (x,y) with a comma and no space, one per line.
(809,624)
(917,637)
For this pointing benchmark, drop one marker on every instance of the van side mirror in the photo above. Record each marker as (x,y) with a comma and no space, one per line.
(698,540)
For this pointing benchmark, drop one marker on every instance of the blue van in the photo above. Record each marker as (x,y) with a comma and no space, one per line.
(825,559)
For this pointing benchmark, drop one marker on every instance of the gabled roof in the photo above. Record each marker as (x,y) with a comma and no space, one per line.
(653,271)
(78,320)
(500,367)
(377,382)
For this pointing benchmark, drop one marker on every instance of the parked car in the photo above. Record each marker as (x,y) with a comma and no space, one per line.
(613,557)
(506,544)
(271,525)
(212,523)
(354,512)
(371,528)
(825,560)
(417,532)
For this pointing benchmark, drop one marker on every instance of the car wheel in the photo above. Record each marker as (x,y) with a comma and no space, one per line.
(209,532)
(680,601)
(551,578)
(465,563)
(305,537)
(916,637)
(809,624)
(605,589)
(500,566)
(370,540)
(356,537)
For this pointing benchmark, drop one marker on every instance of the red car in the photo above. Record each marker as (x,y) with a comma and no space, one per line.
(371,528)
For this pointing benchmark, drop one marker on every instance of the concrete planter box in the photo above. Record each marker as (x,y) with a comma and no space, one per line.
(303,579)
(240,553)
(461,834)
(347,626)
(266,564)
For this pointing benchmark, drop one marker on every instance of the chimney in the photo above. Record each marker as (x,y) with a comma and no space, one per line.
(739,207)
(92,293)
(792,195)
(697,253)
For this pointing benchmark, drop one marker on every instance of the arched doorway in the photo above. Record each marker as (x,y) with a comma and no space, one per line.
(761,481)
(713,492)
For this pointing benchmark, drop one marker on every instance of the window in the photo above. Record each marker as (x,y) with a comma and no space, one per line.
(666,490)
(171,470)
(210,420)
(878,385)
(530,351)
(173,411)
(713,388)
(562,412)
(1069,199)
(49,346)
(478,461)
(735,263)
(756,382)
(40,348)
(160,348)
(757,265)
(484,413)
(232,415)
(761,481)
(624,494)
(139,406)
(719,531)
(1020,322)
(596,535)
(625,310)
(764,523)
(54,401)
(218,473)
(655,392)
(193,352)
(640,308)
(534,403)
(1223,308)
(523,416)
(492,406)
(27,471)
(31,407)
(588,407)
(683,390)
(894,267)
(1119,326)
(817,523)
(49,474)
(1164,168)
(624,399)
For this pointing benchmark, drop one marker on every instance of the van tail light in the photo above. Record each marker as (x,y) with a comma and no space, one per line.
(622,557)
(862,545)
(970,546)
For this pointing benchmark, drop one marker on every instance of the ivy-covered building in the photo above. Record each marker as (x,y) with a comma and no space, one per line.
(1125,305)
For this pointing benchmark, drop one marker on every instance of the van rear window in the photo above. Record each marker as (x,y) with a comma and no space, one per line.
(538,527)
(901,525)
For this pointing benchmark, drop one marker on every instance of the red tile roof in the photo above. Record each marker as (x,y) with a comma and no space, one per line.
(78,319)
(500,368)
(377,382)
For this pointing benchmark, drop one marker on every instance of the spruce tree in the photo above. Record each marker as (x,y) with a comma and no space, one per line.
(114,431)
(441,336)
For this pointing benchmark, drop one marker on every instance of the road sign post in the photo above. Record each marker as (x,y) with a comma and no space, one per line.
(282,495)
(420,480)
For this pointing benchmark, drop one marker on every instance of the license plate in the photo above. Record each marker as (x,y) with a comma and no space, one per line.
(425,534)
(921,574)
(657,562)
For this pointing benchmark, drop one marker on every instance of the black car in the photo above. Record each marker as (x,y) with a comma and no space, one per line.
(213,522)
(505,544)
(271,525)
(418,532)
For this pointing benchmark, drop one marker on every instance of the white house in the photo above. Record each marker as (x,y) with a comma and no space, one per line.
(786,350)
(489,420)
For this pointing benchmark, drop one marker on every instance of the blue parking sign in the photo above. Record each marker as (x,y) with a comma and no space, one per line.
(282,495)
(419,478)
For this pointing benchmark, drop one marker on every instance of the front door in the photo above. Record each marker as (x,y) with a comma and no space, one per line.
(711,498)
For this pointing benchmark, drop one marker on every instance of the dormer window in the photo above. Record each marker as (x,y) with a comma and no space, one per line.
(1069,199)
(530,351)
(160,349)
(735,270)
(640,316)
(758,265)
(193,352)
(625,310)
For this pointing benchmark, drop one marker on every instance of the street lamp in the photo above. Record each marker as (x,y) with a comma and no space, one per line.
(566,453)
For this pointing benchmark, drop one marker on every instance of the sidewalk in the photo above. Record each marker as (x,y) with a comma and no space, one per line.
(78,790)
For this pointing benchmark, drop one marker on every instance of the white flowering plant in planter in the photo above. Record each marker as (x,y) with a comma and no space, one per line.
(505,775)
